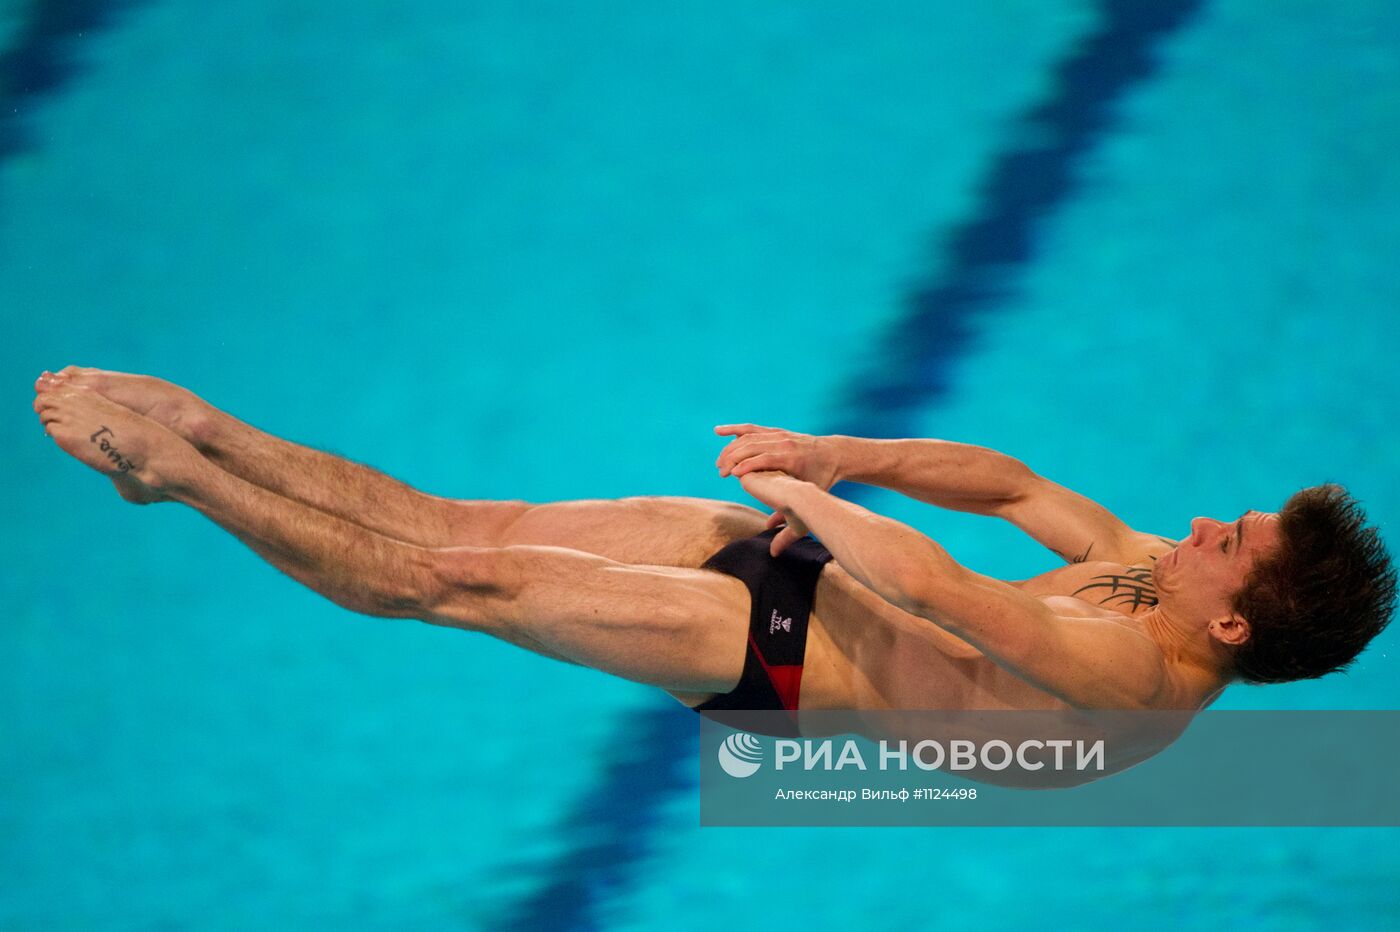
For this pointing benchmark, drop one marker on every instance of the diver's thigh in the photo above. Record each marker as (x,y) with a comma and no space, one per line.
(678,628)
(657,530)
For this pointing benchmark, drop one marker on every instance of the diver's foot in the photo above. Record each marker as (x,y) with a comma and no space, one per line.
(137,454)
(166,403)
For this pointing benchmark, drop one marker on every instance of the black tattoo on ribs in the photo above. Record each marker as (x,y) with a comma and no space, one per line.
(113,454)
(1079,559)
(1133,588)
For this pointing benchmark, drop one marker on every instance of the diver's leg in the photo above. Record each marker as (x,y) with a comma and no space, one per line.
(664,530)
(326,482)
(680,629)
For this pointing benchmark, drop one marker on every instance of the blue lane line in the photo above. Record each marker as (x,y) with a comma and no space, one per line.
(41,61)
(1023,188)
(608,831)
(609,827)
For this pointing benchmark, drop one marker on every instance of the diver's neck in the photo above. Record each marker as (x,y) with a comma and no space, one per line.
(1185,644)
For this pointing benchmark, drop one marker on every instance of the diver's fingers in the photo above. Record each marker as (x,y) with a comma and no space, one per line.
(737,430)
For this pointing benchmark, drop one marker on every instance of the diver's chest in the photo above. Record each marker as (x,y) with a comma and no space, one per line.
(1125,589)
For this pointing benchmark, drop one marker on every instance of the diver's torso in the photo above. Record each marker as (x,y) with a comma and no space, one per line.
(864,653)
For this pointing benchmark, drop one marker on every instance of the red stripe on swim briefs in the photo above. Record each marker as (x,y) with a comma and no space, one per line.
(786,678)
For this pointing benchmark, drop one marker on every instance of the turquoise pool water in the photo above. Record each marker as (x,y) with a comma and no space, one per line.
(536,251)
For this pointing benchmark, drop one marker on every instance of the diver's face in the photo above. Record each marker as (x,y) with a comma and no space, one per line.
(1208,568)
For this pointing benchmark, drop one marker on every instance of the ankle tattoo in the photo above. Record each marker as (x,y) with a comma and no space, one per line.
(113,454)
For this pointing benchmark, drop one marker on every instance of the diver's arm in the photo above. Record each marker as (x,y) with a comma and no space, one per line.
(952,475)
(964,477)
(957,476)
(884,555)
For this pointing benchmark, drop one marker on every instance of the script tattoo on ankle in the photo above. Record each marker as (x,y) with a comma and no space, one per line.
(113,454)
(1133,589)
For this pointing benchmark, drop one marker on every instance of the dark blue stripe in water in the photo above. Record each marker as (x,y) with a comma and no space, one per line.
(911,367)
(607,830)
(42,58)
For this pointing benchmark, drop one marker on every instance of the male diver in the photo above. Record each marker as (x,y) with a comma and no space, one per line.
(725,608)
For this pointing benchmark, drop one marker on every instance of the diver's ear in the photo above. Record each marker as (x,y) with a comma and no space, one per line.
(1231,629)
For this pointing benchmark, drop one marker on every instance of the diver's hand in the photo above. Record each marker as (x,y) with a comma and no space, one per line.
(814,459)
(778,491)
(803,456)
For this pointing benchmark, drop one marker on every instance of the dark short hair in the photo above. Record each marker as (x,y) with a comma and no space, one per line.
(1316,602)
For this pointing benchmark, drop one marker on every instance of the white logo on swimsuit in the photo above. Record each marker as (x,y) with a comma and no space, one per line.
(777,622)
(740,754)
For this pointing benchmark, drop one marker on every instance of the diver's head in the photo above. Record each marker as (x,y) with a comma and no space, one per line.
(1287,596)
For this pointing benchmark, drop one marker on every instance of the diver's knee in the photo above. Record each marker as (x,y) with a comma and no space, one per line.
(471,587)
(734,522)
